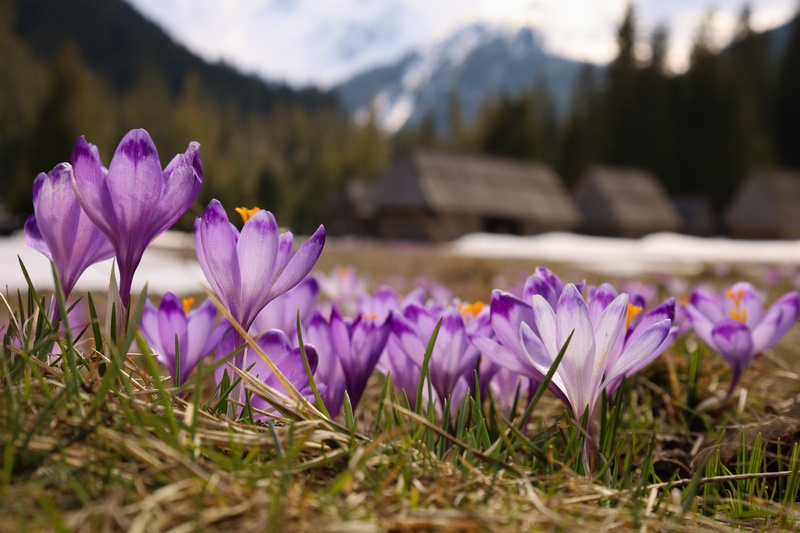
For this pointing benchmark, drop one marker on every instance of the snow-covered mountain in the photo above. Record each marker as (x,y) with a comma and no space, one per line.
(476,61)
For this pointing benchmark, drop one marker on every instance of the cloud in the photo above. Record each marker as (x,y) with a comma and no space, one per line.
(312,42)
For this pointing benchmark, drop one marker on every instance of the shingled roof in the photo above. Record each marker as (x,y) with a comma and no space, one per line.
(766,205)
(624,202)
(440,182)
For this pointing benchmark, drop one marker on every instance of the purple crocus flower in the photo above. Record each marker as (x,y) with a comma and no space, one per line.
(736,326)
(508,313)
(586,368)
(248,270)
(60,229)
(453,357)
(289,361)
(195,332)
(134,200)
(356,344)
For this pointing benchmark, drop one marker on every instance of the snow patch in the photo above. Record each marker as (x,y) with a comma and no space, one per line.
(659,252)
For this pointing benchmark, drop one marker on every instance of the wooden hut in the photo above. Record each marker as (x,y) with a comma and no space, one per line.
(624,202)
(428,195)
(766,206)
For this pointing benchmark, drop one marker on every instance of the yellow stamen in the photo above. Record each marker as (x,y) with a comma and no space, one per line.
(247,213)
(633,310)
(367,315)
(187,303)
(737,311)
(470,310)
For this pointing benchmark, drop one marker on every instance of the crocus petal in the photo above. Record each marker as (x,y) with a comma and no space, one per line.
(381,304)
(502,356)
(329,370)
(539,357)
(180,182)
(89,183)
(601,298)
(172,320)
(708,305)
(151,331)
(507,313)
(215,241)
(777,322)
(293,369)
(407,339)
(641,351)
(33,237)
(285,249)
(544,283)
(702,325)
(301,263)
(256,252)
(450,358)
(664,311)
(134,176)
(545,319)
(202,334)
(573,316)
(750,303)
(281,313)
(608,335)
(735,343)
(340,338)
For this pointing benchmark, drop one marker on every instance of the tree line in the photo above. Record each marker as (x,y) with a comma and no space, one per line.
(700,132)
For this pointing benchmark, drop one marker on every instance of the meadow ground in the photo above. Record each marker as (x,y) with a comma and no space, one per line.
(96,443)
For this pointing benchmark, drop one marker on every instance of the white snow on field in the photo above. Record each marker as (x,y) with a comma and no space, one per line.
(659,252)
(170,264)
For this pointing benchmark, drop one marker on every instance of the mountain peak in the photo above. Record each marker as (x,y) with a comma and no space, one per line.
(476,60)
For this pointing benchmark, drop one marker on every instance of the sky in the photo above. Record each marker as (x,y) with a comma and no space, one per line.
(324,42)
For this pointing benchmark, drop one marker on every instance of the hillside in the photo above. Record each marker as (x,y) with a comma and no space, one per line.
(122,46)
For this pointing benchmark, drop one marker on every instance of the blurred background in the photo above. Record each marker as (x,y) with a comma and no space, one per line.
(426,120)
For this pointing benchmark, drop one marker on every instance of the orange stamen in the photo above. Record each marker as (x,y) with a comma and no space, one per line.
(247,213)
(367,315)
(470,310)
(633,310)
(187,303)
(737,311)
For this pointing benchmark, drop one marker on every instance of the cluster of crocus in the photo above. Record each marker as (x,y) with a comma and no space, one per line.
(85,212)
